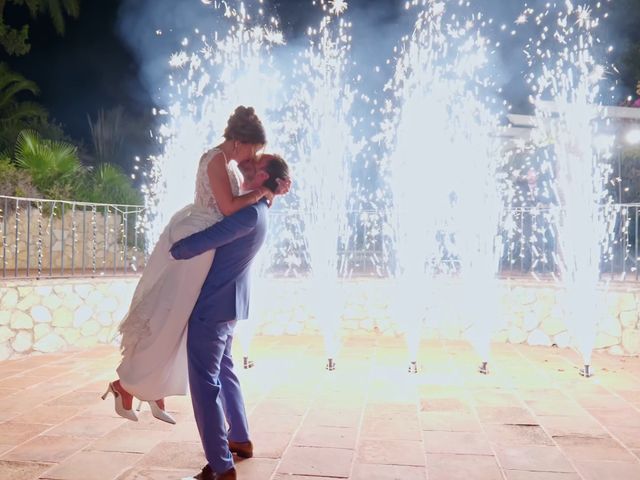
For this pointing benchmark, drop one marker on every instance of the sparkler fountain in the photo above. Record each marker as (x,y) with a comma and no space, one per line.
(211,73)
(439,133)
(565,92)
(320,132)
(443,164)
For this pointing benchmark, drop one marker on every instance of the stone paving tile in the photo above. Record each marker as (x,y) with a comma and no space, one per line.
(269,407)
(333,417)
(76,398)
(363,471)
(47,414)
(392,452)
(506,415)
(557,426)
(402,428)
(269,444)
(86,426)
(178,455)
(533,458)
(146,421)
(630,436)
(275,423)
(4,448)
(314,461)
(122,440)
(443,466)
(384,422)
(626,417)
(21,470)
(22,381)
(46,449)
(444,405)
(523,475)
(336,437)
(5,392)
(449,421)
(469,443)
(256,468)
(593,448)
(12,433)
(149,473)
(184,431)
(92,466)
(517,435)
(609,470)
(288,476)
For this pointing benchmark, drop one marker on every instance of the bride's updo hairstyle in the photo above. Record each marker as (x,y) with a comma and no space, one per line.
(244,126)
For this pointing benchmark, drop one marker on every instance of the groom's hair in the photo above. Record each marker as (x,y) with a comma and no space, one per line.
(276,168)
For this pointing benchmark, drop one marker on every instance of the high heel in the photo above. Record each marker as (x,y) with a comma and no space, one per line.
(158,412)
(119,404)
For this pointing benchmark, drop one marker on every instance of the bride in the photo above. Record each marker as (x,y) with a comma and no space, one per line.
(154,360)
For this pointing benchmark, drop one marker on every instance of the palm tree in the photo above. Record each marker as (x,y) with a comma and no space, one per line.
(54,166)
(57,9)
(12,85)
(15,41)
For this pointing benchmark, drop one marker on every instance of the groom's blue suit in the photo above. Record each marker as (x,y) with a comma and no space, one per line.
(224,299)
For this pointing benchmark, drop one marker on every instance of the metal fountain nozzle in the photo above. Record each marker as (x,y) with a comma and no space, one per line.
(586,371)
(483,368)
(246,363)
(413,367)
(331,364)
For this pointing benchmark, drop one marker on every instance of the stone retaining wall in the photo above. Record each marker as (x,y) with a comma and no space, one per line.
(50,315)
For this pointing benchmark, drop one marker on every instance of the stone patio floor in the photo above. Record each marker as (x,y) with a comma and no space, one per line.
(532,418)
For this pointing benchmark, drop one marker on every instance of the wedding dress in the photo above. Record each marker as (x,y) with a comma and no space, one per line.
(154,331)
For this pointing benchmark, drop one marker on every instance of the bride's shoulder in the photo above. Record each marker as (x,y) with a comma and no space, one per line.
(210,154)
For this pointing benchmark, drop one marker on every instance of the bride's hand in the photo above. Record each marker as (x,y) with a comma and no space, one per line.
(284,185)
(269,195)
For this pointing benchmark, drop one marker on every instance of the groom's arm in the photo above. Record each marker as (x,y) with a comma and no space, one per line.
(225,231)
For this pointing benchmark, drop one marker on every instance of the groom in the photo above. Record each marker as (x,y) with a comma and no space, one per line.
(224,299)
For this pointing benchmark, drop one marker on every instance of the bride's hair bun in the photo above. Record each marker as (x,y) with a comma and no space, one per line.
(245,126)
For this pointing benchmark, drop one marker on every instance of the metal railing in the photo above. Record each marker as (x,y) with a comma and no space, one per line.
(528,243)
(53,238)
(58,238)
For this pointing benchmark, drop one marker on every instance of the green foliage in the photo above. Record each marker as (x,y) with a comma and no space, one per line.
(12,110)
(15,40)
(15,182)
(52,169)
(53,165)
(108,184)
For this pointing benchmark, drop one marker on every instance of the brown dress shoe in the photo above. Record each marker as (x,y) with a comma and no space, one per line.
(242,449)
(208,474)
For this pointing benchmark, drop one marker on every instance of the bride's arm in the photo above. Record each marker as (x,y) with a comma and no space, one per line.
(221,188)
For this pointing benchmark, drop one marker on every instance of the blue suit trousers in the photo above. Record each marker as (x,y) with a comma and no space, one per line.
(215,391)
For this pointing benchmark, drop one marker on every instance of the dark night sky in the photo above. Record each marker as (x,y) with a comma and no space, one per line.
(92,66)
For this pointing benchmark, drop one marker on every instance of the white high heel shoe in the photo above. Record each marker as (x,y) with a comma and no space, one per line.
(157,412)
(119,405)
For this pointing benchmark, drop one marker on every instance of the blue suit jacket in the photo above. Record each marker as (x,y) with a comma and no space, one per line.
(237,239)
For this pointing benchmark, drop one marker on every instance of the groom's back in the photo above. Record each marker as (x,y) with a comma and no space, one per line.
(225,293)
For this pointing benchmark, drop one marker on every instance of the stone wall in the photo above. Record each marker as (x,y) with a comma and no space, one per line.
(56,314)
(50,315)
(72,241)
(526,312)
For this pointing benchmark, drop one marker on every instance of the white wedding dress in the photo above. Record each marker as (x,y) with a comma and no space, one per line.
(154,331)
